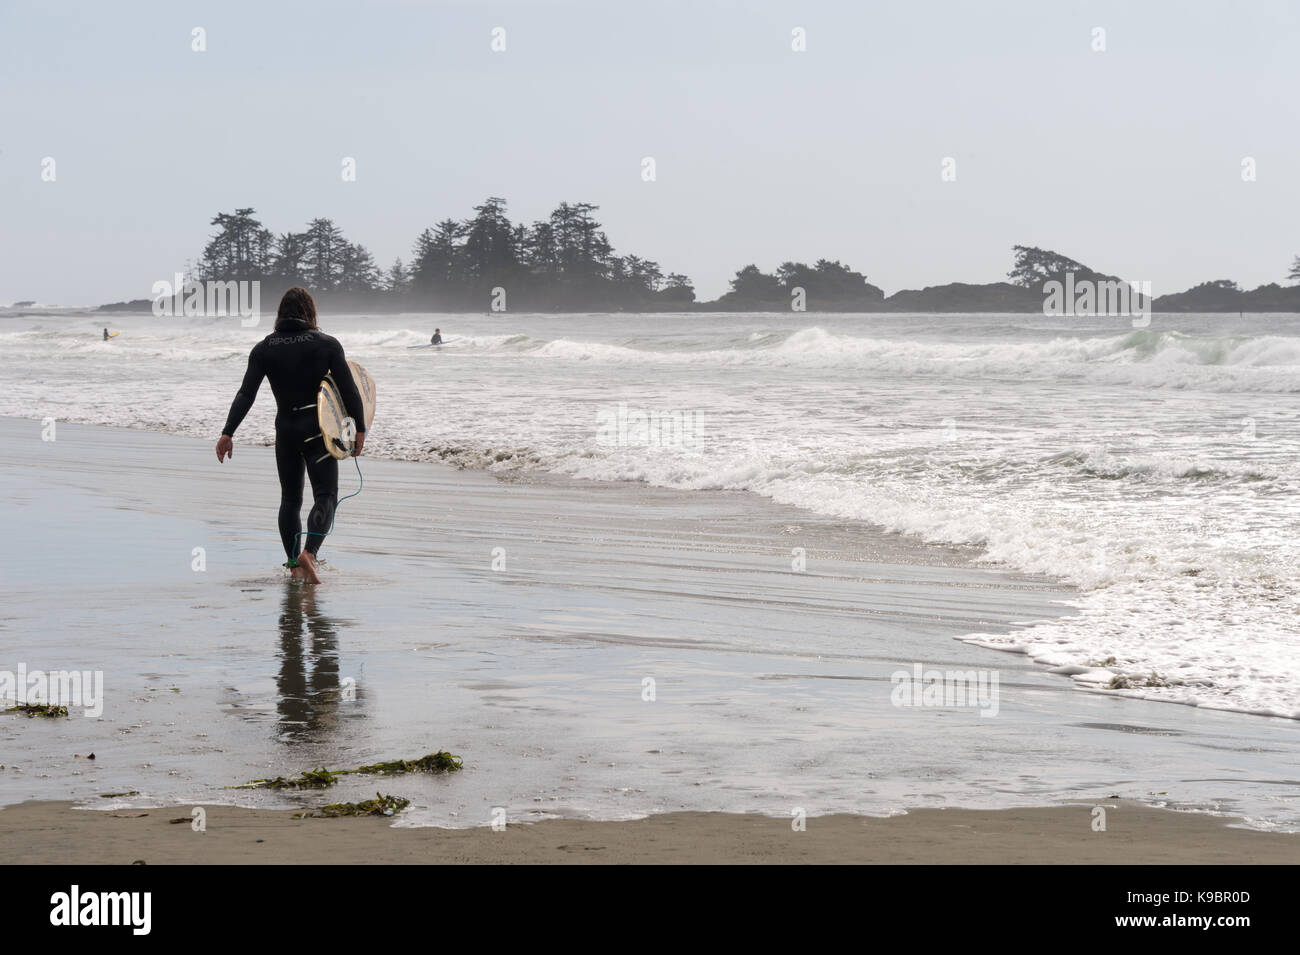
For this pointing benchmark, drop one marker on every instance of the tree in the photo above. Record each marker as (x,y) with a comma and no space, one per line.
(287,264)
(490,255)
(565,260)
(436,261)
(752,285)
(324,253)
(641,274)
(1035,266)
(1294,274)
(396,280)
(828,283)
(240,250)
(583,252)
(678,288)
(840,283)
(357,271)
(795,274)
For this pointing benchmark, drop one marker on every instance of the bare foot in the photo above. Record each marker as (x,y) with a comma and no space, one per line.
(307,564)
(295,573)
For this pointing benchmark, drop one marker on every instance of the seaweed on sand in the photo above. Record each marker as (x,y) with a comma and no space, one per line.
(381,805)
(39,709)
(308,779)
(439,762)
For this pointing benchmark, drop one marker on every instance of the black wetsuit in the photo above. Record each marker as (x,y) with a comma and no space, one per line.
(435,340)
(295,357)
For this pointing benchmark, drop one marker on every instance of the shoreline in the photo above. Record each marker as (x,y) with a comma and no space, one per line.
(135,308)
(774,688)
(57,833)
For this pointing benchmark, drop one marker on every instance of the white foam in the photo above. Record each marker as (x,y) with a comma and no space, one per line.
(1153,469)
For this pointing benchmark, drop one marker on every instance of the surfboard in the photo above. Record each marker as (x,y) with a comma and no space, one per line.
(114,334)
(332,413)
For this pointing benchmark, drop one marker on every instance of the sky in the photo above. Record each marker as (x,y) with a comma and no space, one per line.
(1129,159)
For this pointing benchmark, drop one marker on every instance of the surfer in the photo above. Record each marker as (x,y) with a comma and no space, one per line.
(106,334)
(295,357)
(437,337)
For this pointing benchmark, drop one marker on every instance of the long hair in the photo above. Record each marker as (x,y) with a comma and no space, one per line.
(297,303)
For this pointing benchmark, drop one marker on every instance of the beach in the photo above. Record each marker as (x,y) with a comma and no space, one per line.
(638,667)
(743,482)
(1135,835)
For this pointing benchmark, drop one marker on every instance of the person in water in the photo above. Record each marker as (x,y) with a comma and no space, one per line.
(106,334)
(295,357)
(437,337)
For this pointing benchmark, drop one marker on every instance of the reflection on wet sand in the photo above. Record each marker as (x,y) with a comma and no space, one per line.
(308,685)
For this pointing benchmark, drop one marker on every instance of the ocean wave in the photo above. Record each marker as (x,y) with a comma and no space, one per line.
(815,345)
(812,346)
(1159,359)
(1169,512)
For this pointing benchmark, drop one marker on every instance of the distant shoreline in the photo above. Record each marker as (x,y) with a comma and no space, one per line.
(567,265)
(934,300)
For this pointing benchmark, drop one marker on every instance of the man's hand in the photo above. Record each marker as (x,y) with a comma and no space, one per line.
(358,443)
(225,447)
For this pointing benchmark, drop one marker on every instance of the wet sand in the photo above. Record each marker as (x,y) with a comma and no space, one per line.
(514,620)
(59,834)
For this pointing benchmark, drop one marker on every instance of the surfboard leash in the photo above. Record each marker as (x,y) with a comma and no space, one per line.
(361,483)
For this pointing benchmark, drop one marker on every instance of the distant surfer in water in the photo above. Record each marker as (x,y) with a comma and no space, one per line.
(295,357)
(437,337)
(106,334)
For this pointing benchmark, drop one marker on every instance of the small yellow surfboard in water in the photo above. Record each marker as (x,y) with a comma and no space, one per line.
(114,334)
(332,413)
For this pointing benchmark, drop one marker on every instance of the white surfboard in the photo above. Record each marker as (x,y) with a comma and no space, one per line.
(335,425)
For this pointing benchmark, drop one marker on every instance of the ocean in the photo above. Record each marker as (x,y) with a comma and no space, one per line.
(1154,469)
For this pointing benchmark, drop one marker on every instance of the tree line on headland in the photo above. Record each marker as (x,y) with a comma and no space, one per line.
(566,262)
(561,263)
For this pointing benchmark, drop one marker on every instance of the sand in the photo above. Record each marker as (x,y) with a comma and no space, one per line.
(57,833)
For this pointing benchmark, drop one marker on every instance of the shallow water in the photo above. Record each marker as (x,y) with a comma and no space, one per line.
(772,687)
(1154,468)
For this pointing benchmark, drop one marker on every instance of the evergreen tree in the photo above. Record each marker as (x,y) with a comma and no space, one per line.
(357,271)
(324,253)
(489,254)
(287,264)
(396,280)
(565,260)
(241,249)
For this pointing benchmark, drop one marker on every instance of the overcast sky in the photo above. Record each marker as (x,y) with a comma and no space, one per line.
(1129,160)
